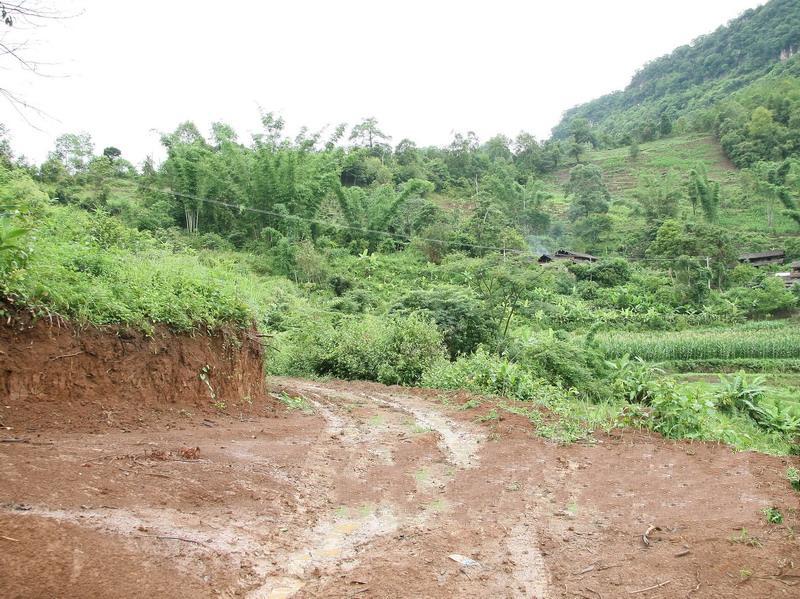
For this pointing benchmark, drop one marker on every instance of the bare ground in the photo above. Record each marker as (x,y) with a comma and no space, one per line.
(379,491)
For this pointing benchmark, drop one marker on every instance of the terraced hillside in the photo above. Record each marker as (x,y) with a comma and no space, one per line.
(675,157)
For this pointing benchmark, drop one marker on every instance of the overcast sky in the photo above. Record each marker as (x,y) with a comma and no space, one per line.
(424,68)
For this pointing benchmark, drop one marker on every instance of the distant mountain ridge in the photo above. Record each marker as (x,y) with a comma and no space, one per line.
(697,75)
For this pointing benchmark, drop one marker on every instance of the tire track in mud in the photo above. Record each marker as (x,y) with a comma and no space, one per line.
(460,444)
(332,544)
(332,541)
(381,492)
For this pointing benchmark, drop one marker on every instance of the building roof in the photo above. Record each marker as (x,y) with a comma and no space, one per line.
(763,255)
(571,254)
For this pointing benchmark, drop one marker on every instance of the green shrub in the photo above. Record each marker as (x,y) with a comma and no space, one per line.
(634,380)
(768,297)
(794,477)
(355,301)
(483,373)
(390,350)
(409,346)
(679,416)
(459,315)
(736,390)
(606,273)
(775,416)
(564,363)
(12,249)
(91,268)
(340,285)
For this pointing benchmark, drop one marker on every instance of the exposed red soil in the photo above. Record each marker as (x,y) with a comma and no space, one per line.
(56,376)
(367,492)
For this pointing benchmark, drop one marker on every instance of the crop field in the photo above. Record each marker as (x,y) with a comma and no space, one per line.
(769,343)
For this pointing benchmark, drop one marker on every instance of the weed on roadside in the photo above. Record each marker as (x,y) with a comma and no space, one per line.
(491,416)
(773,515)
(470,404)
(745,574)
(296,403)
(794,478)
(421,475)
(745,538)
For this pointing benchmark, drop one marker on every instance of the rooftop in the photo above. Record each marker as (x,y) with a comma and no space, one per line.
(768,254)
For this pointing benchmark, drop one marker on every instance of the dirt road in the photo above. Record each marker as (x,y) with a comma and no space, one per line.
(370,491)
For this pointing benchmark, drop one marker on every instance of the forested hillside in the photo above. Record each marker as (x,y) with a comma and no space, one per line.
(364,257)
(676,90)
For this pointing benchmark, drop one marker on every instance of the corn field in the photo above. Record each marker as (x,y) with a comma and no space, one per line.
(705,345)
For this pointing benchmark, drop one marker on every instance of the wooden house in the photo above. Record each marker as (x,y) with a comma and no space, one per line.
(792,277)
(566,255)
(764,258)
(794,274)
(574,256)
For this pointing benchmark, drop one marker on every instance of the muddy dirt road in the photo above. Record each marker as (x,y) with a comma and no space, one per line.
(369,491)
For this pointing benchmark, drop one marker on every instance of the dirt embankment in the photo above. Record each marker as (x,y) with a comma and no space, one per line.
(56,376)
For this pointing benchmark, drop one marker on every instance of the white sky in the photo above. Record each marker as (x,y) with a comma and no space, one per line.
(424,68)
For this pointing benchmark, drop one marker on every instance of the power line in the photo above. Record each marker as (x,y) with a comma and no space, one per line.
(397,236)
(327,223)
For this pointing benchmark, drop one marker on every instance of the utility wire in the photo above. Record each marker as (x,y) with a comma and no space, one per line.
(397,236)
(328,223)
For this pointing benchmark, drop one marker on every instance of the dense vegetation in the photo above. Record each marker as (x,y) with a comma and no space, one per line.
(415,265)
(677,89)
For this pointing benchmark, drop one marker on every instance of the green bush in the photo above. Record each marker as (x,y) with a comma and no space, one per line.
(768,297)
(793,477)
(390,350)
(606,273)
(483,373)
(776,416)
(677,415)
(459,315)
(737,391)
(355,301)
(634,380)
(565,363)
(91,268)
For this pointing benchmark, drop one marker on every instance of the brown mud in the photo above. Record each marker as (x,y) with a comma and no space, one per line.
(367,491)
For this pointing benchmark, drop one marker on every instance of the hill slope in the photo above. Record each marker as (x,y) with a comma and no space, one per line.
(697,75)
(671,159)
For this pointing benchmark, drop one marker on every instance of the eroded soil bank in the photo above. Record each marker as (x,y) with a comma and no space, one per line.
(54,376)
(371,491)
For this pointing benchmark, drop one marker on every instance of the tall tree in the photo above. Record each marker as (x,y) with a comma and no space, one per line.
(704,192)
(366,134)
(659,197)
(74,151)
(588,192)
